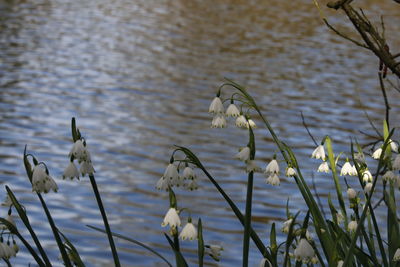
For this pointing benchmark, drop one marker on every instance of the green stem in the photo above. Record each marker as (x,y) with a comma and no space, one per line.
(60,244)
(104,216)
(247,220)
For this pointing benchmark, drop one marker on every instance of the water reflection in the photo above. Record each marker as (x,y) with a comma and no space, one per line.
(139,77)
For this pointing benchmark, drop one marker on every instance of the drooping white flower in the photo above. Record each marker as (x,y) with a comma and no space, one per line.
(6,251)
(354,171)
(218,121)
(367,176)
(188,173)
(340,263)
(192,185)
(389,176)
(171,172)
(216,106)
(290,172)
(367,188)
(171,218)
(393,146)
(188,232)
(396,163)
(251,124)
(241,122)
(41,181)
(352,226)
(396,256)
(286,226)
(351,193)
(71,171)
(347,169)
(232,111)
(251,166)
(304,251)
(272,167)
(214,251)
(162,184)
(377,154)
(265,263)
(79,151)
(323,167)
(273,179)
(339,217)
(319,152)
(86,168)
(244,154)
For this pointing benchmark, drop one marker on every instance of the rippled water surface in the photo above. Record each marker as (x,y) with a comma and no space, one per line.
(139,76)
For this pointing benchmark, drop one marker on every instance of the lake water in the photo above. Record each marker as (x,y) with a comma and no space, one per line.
(139,77)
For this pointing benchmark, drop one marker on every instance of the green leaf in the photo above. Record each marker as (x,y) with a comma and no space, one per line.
(200,243)
(332,162)
(392,222)
(24,218)
(73,252)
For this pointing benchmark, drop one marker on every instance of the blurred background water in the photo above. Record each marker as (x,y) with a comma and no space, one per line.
(139,77)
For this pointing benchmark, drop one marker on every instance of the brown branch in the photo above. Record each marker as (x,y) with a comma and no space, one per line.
(343,35)
(373,40)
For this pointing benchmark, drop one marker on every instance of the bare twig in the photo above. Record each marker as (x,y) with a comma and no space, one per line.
(308,131)
(387,107)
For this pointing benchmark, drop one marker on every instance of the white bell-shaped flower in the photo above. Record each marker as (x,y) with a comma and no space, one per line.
(394,146)
(71,171)
(290,172)
(319,152)
(367,176)
(367,188)
(188,173)
(241,122)
(273,179)
(304,251)
(340,263)
(251,124)
(352,226)
(232,111)
(188,232)
(192,185)
(171,219)
(389,176)
(244,154)
(86,168)
(272,167)
(377,153)
(251,166)
(351,193)
(323,167)
(41,181)
(218,121)
(286,226)
(162,184)
(171,172)
(216,106)
(347,169)
(396,256)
